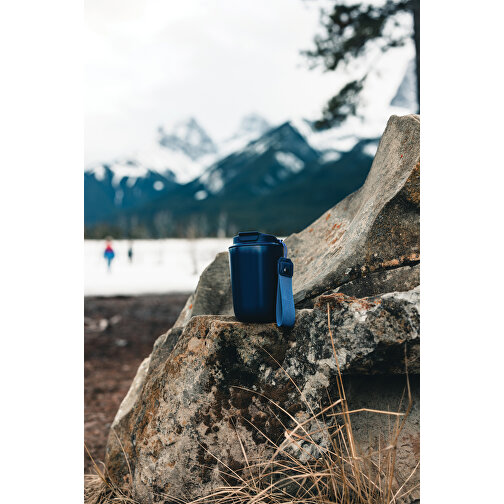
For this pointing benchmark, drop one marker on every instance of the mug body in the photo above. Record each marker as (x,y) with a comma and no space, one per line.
(253,261)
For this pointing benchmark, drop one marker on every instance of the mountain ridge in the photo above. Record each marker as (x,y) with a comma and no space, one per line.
(189,184)
(258,186)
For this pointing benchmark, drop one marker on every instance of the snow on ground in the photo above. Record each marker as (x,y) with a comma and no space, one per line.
(158,266)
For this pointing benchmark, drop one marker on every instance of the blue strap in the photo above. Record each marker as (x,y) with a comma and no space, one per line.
(285,311)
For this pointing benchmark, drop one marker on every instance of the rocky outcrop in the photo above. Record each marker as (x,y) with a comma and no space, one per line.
(212,383)
(367,244)
(375,229)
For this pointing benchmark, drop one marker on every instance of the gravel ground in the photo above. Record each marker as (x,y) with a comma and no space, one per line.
(118,334)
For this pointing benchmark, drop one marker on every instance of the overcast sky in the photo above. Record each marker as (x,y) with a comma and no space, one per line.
(154,62)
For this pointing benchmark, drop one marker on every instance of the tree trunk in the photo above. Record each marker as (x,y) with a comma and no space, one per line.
(415,7)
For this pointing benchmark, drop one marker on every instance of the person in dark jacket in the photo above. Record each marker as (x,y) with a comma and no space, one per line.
(130,252)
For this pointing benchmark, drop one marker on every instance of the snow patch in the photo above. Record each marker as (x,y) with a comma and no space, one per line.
(98,172)
(289,161)
(158,185)
(158,266)
(200,195)
(213,181)
(126,170)
(370,149)
(330,156)
(168,162)
(259,147)
(333,140)
(119,195)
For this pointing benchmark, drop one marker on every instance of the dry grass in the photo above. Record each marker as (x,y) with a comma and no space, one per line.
(319,462)
(100,488)
(100,491)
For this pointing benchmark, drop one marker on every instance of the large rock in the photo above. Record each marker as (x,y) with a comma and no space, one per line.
(211,379)
(189,410)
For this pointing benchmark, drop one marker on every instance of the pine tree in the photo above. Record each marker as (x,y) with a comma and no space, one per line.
(348,30)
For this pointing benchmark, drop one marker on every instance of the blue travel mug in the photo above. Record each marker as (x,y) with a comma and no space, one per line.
(253,259)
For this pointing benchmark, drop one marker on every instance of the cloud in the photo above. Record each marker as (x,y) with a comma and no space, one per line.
(153,62)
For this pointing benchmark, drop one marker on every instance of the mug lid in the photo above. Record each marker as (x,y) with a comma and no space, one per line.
(254,237)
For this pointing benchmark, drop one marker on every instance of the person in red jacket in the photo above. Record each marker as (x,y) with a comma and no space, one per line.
(109,254)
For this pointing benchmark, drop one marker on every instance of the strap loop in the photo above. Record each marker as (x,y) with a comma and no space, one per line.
(285,311)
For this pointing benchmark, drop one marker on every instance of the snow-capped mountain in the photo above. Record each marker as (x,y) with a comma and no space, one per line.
(177,156)
(251,127)
(257,177)
(276,182)
(180,154)
(259,166)
(406,95)
(189,138)
(108,191)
